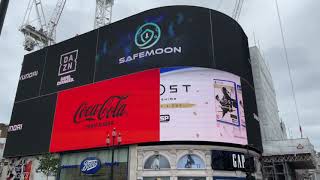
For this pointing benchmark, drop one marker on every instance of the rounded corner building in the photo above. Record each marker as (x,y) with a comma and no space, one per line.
(166,94)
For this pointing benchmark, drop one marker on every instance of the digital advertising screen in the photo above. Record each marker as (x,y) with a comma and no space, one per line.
(31,75)
(176,73)
(200,104)
(167,104)
(29,131)
(86,115)
(162,37)
(70,63)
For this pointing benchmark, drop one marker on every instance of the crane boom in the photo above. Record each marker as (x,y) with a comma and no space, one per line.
(103,13)
(53,22)
(41,34)
(40,19)
(40,13)
(44,34)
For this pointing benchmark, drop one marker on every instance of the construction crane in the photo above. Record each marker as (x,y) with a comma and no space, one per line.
(43,34)
(37,32)
(103,13)
(237,9)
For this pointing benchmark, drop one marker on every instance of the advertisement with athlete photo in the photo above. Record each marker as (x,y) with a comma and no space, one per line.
(226,101)
(201,104)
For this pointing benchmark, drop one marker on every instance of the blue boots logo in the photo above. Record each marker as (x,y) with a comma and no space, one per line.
(90,165)
(147,35)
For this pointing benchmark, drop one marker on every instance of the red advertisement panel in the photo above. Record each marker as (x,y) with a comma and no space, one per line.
(86,115)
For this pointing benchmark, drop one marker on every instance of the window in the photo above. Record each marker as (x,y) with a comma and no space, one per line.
(70,165)
(157,162)
(74,173)
(156,178)
(191,178)
(191,161)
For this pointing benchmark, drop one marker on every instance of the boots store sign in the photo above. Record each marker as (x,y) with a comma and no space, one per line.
(90,165)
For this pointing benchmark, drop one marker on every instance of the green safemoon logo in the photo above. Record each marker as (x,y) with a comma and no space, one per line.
(147,35)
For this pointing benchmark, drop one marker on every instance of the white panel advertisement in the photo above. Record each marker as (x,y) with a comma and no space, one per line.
(201,104)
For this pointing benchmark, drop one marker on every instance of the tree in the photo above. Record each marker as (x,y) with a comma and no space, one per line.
(49,165)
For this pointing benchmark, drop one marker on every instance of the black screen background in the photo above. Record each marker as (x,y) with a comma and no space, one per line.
(36,115)
(30,87)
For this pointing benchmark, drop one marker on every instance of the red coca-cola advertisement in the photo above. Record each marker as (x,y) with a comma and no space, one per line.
(86,115)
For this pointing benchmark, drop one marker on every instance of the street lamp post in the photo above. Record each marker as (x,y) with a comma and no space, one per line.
(119,139)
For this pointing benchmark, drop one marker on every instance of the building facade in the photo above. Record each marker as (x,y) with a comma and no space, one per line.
(203,168)
(166,94)
(271,126)
(165,162)
(282,158)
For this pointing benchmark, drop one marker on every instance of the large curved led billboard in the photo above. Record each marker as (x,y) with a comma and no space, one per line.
(177,73)
(167,104)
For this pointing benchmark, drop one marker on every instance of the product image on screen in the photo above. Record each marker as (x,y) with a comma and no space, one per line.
(226,101)
(200,104)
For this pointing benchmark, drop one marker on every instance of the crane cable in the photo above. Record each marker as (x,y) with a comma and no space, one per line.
(26,14)
(241,5)
(289,68)
(236,8)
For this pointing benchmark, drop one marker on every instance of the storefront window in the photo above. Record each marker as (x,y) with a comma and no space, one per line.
(156,178)
(70,165)
(191,178)
(190,161)
(157,162)
(119,173)
(229,178)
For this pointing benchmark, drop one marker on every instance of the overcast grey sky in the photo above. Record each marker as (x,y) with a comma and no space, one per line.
(301,26)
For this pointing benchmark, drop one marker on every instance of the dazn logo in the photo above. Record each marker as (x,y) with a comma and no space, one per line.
(68,63)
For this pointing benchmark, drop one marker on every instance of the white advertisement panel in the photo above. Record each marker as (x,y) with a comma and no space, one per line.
(201,104)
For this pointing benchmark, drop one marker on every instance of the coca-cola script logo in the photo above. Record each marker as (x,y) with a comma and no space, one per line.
(112,107)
